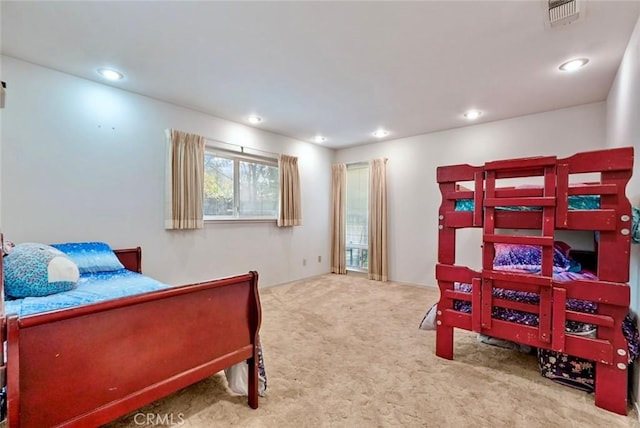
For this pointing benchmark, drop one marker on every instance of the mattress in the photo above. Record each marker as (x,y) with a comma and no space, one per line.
(91,288)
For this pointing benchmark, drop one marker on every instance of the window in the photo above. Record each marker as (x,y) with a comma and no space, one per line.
(239,186)
(357,227)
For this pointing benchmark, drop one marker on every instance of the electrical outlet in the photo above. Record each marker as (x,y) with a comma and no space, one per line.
(319,259)
(304,262)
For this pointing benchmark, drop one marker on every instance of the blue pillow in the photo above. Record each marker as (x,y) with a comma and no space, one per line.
(91,257)
(35,270)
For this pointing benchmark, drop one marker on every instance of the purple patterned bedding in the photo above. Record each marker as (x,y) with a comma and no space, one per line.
(532,298)
(562,368)
(578,372)
(527,259)
(629,328)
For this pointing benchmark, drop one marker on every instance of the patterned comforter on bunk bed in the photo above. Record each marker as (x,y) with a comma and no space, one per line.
(566,369)
(575,202)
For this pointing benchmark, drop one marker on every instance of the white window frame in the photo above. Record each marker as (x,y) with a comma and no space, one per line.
(237,157)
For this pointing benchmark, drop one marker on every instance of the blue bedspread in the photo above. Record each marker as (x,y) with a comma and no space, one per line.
(92,288)
(583,202)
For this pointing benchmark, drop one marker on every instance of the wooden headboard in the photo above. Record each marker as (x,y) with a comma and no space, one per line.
(131,258)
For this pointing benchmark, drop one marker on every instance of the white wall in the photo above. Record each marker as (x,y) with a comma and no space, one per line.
(85,161)
(1,111)
(623,129)
(414,196)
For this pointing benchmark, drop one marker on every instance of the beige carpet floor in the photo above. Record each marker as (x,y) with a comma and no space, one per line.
(343,351)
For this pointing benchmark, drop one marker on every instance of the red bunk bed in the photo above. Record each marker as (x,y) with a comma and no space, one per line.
(542,210)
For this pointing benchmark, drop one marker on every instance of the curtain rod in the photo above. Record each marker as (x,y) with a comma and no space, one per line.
(242,148)
(271,155)
(361,162)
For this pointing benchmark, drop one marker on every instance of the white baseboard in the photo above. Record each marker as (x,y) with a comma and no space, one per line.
(353,274)
(295,280)
(412,284)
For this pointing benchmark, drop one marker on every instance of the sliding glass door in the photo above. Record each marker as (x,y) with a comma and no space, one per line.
(357,230)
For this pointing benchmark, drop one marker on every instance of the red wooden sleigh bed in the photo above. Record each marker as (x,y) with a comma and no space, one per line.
(547,211)
(87,365)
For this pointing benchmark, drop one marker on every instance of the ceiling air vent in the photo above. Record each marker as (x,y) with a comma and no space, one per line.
(562,12)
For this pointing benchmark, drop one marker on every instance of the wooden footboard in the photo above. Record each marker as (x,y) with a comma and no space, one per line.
(88,365)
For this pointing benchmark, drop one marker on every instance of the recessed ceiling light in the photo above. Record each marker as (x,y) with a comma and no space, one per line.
(254,119)
(573,64)
(110,74)
(472,114)
(319,139)
(380,133)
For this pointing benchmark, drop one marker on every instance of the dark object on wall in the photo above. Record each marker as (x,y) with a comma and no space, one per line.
(2,91)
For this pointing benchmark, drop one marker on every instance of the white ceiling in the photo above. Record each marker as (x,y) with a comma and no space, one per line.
(341,69)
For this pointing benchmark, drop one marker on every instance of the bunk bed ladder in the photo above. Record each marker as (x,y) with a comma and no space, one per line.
(447,272)
(545,167)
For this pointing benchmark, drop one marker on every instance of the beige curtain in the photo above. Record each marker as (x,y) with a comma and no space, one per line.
(185,180)
(338,224)
(378,257)
(290,203)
